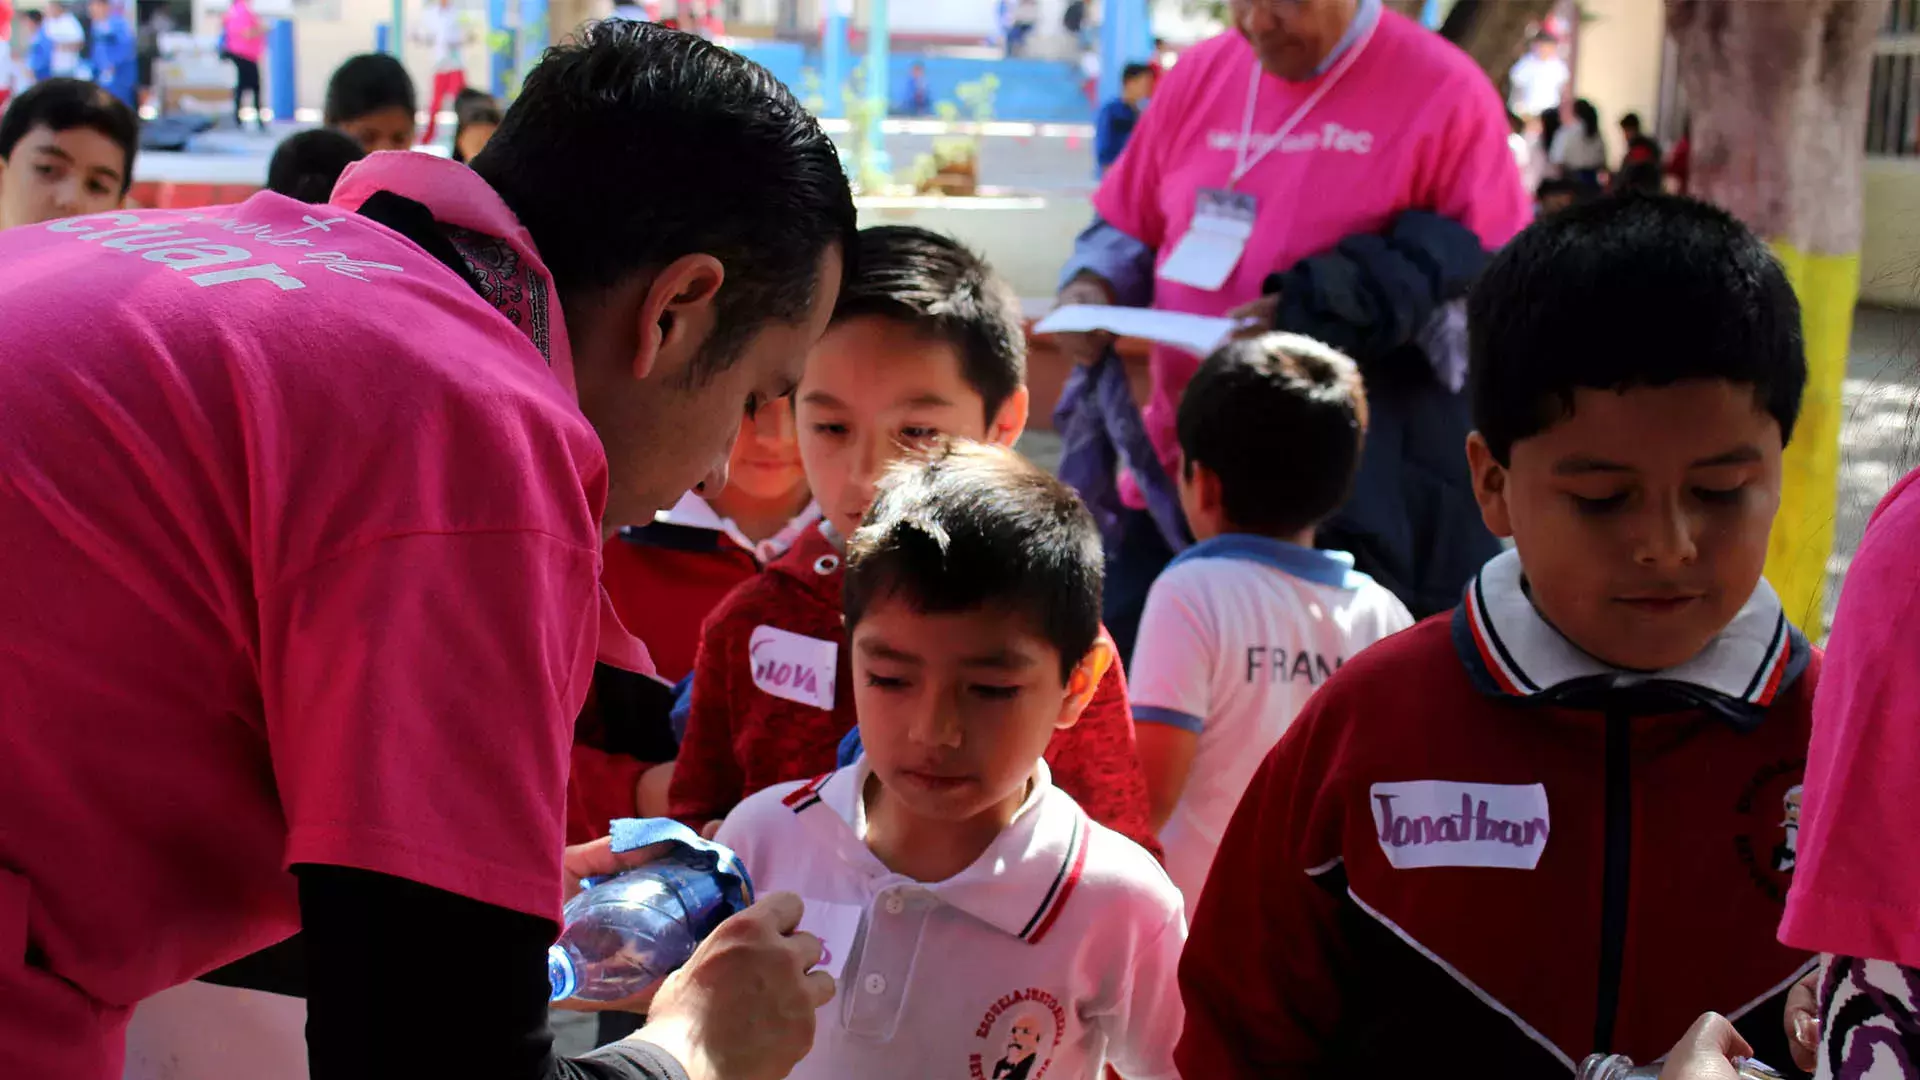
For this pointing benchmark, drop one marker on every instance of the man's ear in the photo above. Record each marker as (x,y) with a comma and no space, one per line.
(1085,678)
(677,310)
(1010,419)
(1490,482)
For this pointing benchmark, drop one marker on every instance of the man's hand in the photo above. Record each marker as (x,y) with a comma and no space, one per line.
(743,1007)
(1706,1051)
(1803,1021)
(1256,317)
(1087,348)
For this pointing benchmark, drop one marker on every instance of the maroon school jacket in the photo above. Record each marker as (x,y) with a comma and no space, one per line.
(741,738)
(1479,842)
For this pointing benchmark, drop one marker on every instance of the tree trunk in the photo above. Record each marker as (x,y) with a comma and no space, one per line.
(1778,94)
(1494,32)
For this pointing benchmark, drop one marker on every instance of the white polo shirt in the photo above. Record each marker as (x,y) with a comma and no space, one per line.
(1237,633)
(1053,955)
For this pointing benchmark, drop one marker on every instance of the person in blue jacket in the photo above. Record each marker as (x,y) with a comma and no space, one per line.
(114,52)
(40,49)
(1115,122)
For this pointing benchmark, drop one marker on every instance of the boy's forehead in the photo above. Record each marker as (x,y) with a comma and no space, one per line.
(875,360)
(992,635)
(1695,422)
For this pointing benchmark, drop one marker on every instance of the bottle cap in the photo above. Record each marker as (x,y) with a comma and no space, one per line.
(562,979)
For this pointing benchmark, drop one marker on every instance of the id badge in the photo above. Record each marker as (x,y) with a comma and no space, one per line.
(1210,252)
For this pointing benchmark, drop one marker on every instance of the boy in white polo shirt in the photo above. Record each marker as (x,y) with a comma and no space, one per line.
(1243,626)
(979,924)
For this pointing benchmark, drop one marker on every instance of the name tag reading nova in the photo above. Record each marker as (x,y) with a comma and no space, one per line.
(1426,823)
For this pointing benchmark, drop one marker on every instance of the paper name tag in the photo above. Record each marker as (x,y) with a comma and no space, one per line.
(793,666)
(1215,241)
(1426,823)
(836,925)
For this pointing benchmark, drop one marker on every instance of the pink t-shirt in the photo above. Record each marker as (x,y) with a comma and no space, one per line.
(1412,125)
(1856,890)
(302,549)
(242,27)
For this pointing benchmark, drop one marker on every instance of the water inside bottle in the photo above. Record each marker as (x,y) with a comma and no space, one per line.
(628,932)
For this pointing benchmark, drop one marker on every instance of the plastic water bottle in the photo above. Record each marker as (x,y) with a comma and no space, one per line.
(626,933)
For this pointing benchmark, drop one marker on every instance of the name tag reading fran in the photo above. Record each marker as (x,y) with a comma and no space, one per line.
(793,666)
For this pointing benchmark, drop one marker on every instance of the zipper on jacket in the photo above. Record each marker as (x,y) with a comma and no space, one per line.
(1613,887)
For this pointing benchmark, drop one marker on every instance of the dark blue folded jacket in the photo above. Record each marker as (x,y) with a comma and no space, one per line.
(1383,299)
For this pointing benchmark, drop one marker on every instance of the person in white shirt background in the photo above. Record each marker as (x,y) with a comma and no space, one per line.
(1579,150)
(69,40)
(1538,80)
(1241,628)
(441,29)
(977,922)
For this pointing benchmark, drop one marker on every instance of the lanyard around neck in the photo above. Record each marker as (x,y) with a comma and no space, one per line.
(1242,162)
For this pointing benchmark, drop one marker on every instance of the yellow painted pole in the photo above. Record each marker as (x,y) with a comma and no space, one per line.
(1802,541)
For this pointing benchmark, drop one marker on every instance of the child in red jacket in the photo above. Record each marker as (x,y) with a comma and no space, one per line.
(664,578)
(926,343)
(1561,820)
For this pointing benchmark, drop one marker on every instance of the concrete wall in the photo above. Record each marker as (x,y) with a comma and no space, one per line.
(1890,242)
(1619,63)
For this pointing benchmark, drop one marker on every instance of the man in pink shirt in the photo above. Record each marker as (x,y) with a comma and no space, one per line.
(1314,128)
(303,514)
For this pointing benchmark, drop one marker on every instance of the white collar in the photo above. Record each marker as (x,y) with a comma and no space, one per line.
(1748,662)
(1018,885)
(694,512)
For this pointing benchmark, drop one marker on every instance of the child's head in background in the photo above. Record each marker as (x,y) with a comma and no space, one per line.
(972,604)
(477,116)
(1638,473)
(926,343)
(306,166)
(1270,434)
(66,148)
(766,481)
(371,98)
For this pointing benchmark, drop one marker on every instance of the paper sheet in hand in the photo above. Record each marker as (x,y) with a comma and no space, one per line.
(1197,334)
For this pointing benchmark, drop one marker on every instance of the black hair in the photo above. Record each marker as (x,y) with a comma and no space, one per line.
(367,84)
(1567,304)
(306,166)
(35,16)
(633,145)
(934,283)
(480,109)
(1562,185)
(1134,71)
(976,526)
(1277,398)
(1587,117)
(1550,124)
(65,104)
(1631,121)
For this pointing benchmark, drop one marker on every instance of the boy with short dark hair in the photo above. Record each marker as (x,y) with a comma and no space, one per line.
(925,344)
(1561,820)
(1001,932)
(1242,628)
(307,165)
(66,148)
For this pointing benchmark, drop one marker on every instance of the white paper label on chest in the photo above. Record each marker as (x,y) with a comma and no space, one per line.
(793,666)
